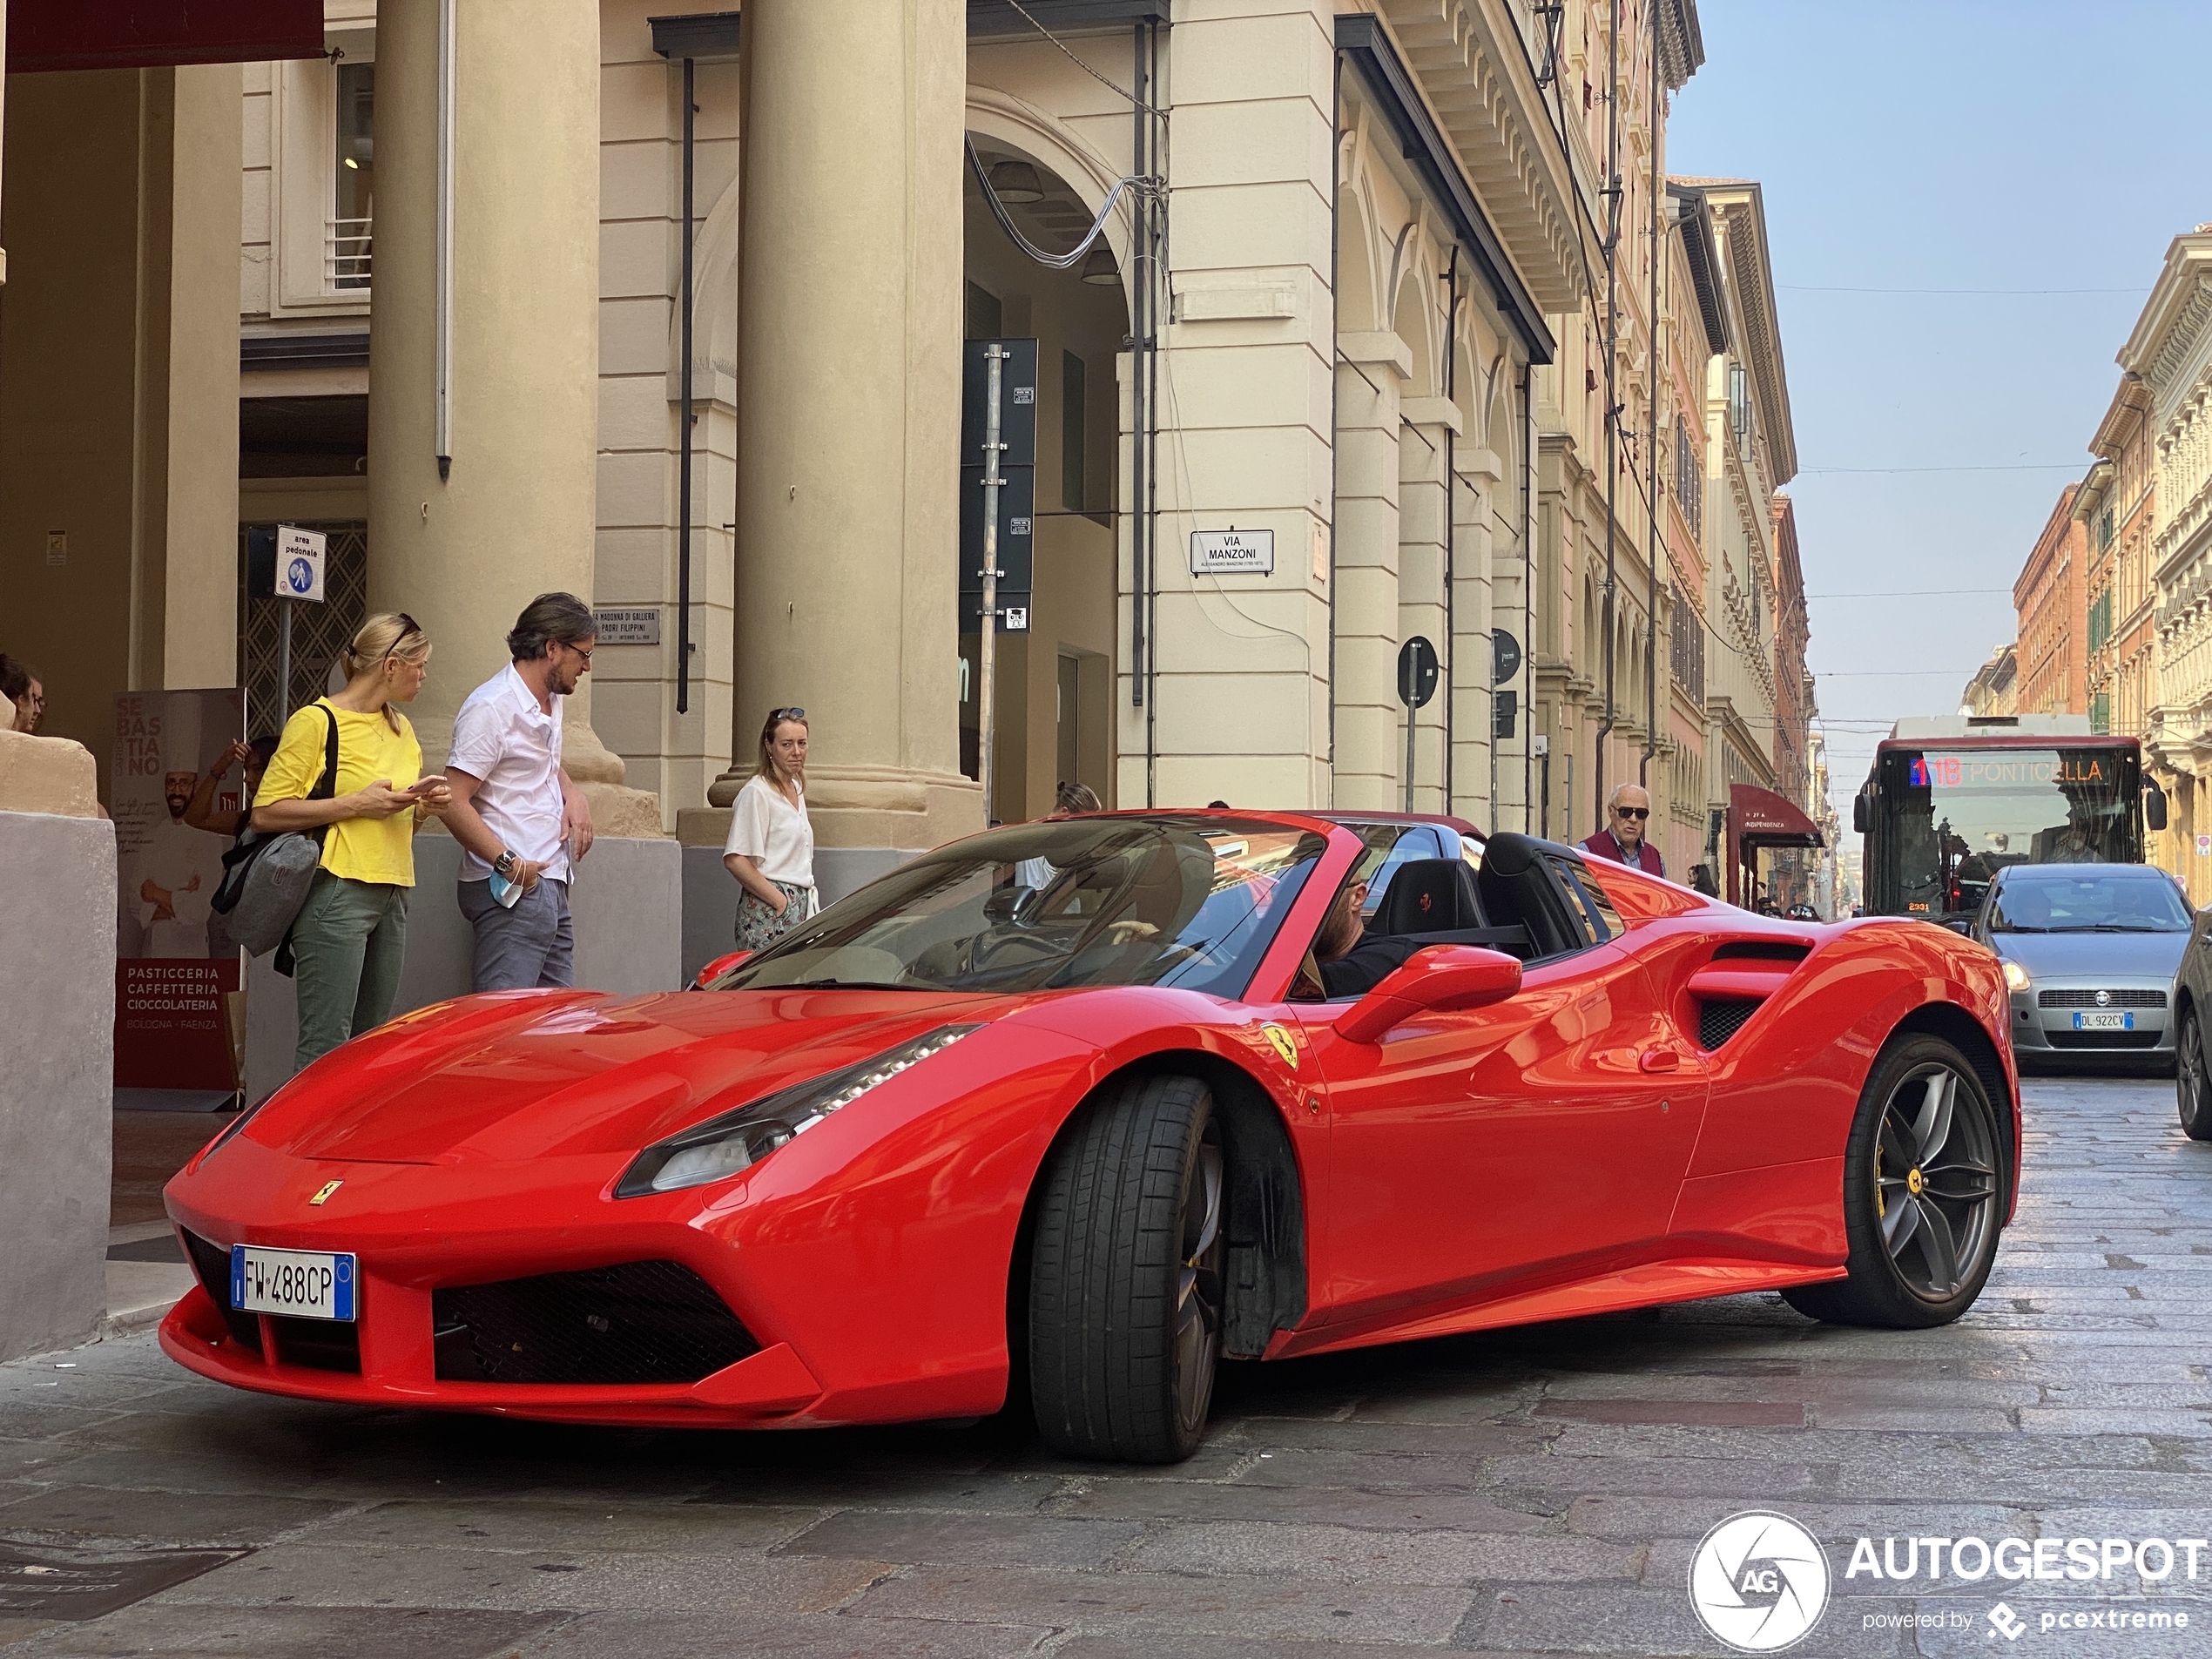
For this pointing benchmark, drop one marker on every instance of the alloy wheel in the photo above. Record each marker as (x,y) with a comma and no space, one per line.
(2191,1081)
(1197,1312)
(1935,1180)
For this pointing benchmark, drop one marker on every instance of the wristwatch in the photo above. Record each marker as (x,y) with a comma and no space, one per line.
(505,863)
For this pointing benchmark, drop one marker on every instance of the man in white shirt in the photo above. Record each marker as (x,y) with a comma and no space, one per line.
(515,811)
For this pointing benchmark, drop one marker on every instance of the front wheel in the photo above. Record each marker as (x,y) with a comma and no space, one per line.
(1125,1280)
(2192,1087)
(1924,1189)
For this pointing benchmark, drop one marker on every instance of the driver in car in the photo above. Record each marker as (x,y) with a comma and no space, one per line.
(1352,960)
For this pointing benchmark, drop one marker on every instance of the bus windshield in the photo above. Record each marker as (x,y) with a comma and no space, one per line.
(1950,819)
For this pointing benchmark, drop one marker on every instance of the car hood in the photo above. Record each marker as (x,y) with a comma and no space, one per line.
(2074,955)
(517,1075)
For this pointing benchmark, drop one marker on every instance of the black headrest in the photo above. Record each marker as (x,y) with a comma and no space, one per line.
(1428,896)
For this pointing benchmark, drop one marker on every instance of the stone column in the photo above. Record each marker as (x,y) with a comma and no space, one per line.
(463,554)
(1474,616)
(849,329)
(1371,730)
(1421,580)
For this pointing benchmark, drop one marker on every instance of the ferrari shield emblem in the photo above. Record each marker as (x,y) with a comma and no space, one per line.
(329,1188)
(1285,1044)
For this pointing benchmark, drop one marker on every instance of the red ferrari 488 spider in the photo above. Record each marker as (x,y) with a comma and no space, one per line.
(1066,1112)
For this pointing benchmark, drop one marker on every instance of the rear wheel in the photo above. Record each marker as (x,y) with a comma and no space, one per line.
(1125,1280)
(1922,1193)
(2192,1086)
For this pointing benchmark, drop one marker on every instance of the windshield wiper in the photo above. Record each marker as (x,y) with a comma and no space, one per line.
(2116,927)
(841,985)
(2021,928)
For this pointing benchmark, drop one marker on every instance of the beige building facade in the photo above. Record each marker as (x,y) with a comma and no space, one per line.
(2170,350)
(1357,303)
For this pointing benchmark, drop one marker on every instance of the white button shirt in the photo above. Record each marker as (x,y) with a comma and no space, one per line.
(502,737)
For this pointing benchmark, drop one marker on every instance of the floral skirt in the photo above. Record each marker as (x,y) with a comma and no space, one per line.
(758,926)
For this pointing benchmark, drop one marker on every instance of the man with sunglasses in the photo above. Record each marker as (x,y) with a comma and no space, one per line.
(516,813)
(1622,841)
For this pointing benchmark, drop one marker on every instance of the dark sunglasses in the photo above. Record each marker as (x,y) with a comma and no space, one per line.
(408,629)
(788,714)
(1632,812)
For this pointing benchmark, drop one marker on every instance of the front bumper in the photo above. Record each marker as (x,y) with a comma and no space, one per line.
(2053,1021)
(827,1339)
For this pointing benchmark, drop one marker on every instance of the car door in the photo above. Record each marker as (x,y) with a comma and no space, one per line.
(1544,1137)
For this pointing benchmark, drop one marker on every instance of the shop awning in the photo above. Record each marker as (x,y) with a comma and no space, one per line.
(144,34)
(1760,818)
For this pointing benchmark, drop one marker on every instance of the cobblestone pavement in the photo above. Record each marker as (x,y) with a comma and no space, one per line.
(1533,1491)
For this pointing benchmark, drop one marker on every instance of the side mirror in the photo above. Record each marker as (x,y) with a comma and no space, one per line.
(1441,979)
(1859,814)
(2154,806)
(1960,925)
(715,969)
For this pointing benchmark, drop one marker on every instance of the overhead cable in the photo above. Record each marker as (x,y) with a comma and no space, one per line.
(1056,261)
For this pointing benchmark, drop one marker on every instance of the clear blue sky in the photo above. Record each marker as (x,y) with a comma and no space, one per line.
(1945,145)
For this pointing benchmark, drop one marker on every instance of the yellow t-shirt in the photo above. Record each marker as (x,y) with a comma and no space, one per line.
(363,849)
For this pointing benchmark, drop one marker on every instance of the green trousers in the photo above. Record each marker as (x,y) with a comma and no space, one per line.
(347,948)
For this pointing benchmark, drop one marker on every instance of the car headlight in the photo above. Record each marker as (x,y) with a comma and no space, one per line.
(735,1141)
(2016,977)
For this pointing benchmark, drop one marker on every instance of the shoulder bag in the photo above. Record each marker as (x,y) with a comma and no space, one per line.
(266,876)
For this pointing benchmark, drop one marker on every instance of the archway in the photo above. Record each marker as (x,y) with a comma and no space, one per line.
(1055,679)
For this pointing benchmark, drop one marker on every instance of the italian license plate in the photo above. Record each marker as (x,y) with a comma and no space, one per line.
(301,1284)
(2104,1020)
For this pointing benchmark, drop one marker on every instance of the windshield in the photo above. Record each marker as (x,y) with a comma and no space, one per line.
(1189,903)
(1952,818)
(2130,901)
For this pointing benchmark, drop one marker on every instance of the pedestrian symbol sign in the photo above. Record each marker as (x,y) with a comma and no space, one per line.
(2204,847)
(299,563)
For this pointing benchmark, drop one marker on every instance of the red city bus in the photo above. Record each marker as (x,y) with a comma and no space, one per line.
(1951,801)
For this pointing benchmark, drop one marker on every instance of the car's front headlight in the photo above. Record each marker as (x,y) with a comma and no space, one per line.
(2016,977)
(735,1141)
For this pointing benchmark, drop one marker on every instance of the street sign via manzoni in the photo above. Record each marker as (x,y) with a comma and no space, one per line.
(1246,552)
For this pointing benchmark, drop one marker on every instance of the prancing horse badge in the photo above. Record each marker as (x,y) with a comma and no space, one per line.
(1285,1044)
(329,1188)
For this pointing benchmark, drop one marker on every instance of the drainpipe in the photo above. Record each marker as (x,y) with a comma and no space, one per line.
(1336,330)
(1651,446)
(683,486)
(1612,420)
(1528,606)
(1451,538)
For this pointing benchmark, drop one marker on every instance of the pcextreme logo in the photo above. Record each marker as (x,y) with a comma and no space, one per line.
(1759,1581)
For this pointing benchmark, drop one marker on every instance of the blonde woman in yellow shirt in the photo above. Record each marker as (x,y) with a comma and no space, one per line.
(351,936)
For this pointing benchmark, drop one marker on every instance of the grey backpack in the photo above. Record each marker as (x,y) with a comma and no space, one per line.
(265,877)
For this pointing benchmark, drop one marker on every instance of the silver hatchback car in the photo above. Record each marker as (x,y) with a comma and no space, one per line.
(2090,953)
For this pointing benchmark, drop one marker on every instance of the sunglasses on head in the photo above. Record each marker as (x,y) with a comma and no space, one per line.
(408,629)
(1632,812)
(788,714)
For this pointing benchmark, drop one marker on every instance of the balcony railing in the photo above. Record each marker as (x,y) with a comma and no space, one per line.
(346,248)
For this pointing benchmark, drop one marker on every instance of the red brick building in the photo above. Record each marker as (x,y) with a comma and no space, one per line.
(2053,603)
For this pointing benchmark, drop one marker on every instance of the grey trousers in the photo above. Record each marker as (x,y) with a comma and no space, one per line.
(529,945)
(348,946)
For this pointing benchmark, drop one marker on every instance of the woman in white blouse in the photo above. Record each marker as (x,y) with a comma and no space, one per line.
(770,849)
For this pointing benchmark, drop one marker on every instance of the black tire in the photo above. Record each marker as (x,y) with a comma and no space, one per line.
(1125,1275)
(2192,1077)
(1923,1236)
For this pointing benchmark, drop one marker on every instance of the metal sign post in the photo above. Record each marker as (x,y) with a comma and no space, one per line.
(987,653)
(1417,668)
(296,576)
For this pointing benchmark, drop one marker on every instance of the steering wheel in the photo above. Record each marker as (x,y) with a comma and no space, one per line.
(985,949)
